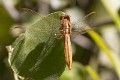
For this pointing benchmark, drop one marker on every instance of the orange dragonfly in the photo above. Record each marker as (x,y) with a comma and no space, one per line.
(66,31)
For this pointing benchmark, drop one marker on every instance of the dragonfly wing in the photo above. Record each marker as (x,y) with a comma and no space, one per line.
(80,27)
(28,15)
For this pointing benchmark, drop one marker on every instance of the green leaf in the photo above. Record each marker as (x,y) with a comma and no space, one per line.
(38,54)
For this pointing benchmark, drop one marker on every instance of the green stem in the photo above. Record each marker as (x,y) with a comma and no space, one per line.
(112,13)
(98,40)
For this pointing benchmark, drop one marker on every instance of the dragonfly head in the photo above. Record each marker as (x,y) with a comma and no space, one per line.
(65,17)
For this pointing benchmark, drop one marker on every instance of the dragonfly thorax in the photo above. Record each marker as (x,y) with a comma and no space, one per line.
(66,25)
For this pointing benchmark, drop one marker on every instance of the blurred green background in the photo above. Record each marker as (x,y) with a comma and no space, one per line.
(96,55)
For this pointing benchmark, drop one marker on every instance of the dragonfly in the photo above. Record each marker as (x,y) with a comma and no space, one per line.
(67,30)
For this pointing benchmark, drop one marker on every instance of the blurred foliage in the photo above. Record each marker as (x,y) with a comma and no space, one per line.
(5,23)
(99,50)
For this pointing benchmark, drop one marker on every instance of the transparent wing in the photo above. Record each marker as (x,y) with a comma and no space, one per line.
(80,30)
(44,27)
(25,12)
(47,24)
(40,22)
(29,16)
(81,26)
